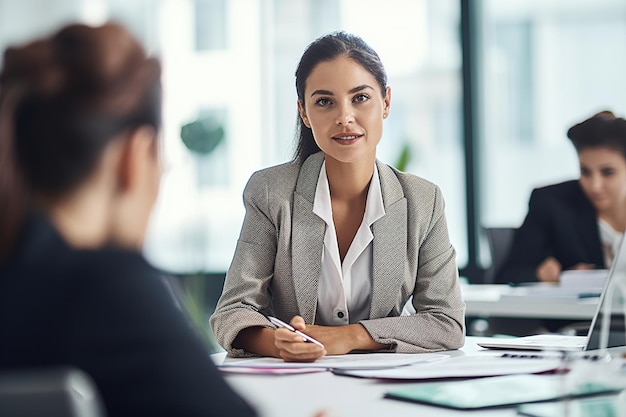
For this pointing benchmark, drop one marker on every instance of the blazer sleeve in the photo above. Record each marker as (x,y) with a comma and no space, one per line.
(530,244)
(438,322)
(246,288)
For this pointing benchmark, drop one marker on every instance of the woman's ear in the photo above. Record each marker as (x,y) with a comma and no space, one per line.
(137,176)
(303,115)
(387,102)
(138,159)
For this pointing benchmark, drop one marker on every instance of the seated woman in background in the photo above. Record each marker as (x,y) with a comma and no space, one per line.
(576,224)
(79,174)
(335,241)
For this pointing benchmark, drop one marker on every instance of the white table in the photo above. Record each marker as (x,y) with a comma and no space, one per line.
(301,395)
(487,301)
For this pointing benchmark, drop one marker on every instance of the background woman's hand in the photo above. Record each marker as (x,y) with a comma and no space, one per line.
(583,267)
(549,270)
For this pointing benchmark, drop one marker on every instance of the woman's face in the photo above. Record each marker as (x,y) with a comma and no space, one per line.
(603,177)
(344,107)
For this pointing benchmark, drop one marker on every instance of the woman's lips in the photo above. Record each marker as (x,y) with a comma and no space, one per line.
(347,138)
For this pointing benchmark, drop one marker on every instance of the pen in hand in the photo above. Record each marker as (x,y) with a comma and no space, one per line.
(287,326)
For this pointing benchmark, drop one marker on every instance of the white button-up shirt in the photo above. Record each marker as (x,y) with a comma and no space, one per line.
(345,289)
(610,240)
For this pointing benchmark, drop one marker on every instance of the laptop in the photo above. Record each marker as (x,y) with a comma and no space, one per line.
(602,333)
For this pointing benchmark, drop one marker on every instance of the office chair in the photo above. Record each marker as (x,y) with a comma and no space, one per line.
(52,392)
(500,240)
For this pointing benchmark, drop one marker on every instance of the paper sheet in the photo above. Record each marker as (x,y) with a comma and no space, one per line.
(350,361)
(461,367)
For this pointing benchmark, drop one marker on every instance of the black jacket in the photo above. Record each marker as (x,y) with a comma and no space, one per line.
(108,313)
(561,222)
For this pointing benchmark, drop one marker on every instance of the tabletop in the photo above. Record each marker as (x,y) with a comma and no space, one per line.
(302,395)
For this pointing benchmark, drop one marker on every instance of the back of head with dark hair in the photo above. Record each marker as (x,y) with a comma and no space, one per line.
(603,129)
(62,100)
(327,48)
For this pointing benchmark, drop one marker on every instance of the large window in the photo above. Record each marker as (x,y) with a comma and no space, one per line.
(543,66)
(246,87)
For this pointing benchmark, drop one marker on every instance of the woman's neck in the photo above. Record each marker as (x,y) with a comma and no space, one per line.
(82,220)
(615,216)
(348,181)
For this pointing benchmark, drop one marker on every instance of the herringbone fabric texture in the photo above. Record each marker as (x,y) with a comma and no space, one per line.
(277,261)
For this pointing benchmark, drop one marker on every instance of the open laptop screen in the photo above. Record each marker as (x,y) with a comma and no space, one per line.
(607,328)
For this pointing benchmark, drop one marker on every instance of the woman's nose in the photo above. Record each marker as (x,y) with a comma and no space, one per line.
(596,182)
(345,115)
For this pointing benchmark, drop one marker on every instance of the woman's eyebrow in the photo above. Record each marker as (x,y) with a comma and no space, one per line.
(352,91)
(322,92)
(360,88)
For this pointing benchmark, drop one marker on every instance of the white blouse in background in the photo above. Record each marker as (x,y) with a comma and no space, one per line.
(610,240)
(345,290)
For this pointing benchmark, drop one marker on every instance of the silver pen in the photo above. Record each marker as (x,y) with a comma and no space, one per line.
(280,323)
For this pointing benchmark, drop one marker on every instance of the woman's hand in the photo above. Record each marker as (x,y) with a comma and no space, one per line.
(549,270)
(289,346)
(292,348)
(583,267)
(338,340)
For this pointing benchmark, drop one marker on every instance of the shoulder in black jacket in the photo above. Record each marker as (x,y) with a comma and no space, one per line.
(108,313)
(561,222)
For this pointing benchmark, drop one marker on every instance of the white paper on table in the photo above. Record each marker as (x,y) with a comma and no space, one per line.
(462,367)
(585,279)
(349,361)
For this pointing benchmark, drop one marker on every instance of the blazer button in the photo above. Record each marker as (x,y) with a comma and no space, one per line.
(340,314)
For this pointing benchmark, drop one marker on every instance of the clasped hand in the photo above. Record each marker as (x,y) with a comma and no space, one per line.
(550,269)
(292,348)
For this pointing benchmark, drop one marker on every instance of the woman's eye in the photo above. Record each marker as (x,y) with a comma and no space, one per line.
(361,98)
(607,172)
(322,102)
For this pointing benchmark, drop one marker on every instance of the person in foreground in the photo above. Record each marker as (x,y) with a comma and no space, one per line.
(336,242)
(577,224)
(79,173)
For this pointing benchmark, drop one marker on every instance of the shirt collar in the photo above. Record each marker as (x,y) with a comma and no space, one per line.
(374,207)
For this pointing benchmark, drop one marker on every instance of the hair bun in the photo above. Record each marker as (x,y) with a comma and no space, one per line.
(98,59)
(602,129)
(588,129)
(605,114)
(35,65)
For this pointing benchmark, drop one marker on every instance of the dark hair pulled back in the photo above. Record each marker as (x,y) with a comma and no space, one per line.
(327,48)
(62,100)
(602,129)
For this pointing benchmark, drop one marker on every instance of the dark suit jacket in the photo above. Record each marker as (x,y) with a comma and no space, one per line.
(561,222)
(108,313)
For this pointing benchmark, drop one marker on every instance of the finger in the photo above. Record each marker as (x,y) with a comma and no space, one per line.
(583,266)
(305,356)
(298,323)
(553,264)
(287,336)
(297,355)
(296,346)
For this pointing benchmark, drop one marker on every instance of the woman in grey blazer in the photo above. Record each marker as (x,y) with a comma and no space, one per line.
(336,242)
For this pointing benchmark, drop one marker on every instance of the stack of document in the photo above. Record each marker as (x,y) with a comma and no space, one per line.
(586,280)
(573,285)
(355,361)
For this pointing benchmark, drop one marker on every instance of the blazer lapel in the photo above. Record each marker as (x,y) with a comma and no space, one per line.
(390,237)
(307,239)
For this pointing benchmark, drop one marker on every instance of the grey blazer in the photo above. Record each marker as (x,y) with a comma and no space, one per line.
(277,262)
